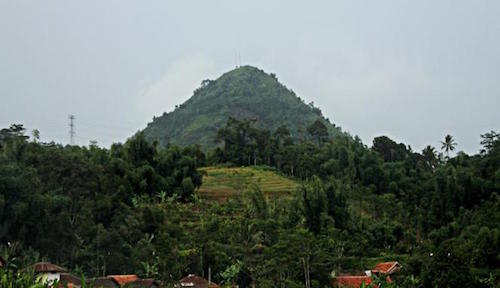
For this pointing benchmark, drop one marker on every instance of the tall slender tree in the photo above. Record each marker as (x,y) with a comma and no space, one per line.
(448,145)
(430,156)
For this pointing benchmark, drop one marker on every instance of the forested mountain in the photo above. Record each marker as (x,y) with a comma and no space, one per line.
(243,93)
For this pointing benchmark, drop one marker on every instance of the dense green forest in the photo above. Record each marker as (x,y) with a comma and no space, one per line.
(245,92)
(135,208)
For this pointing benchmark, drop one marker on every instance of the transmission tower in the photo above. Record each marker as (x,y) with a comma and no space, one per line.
(72,129)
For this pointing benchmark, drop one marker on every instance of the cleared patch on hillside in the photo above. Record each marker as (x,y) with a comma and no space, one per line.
(221,183)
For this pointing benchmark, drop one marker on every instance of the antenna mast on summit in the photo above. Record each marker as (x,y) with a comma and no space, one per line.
(237,59)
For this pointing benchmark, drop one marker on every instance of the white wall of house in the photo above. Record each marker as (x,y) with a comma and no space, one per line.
(50,277)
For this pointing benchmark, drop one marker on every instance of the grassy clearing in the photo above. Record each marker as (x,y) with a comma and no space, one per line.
(220,183)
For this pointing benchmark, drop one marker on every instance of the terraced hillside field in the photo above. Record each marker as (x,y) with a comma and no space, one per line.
(221,183)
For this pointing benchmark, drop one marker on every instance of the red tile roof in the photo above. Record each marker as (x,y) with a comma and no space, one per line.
(124,279)
(351,281)
(387,267)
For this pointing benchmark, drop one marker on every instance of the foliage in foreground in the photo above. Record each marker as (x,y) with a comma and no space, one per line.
(11,279)
(131,209)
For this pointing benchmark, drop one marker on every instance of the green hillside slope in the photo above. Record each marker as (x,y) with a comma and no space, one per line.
(221,183)
(245,92)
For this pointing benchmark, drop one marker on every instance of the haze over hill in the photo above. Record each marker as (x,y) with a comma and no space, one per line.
(245,93)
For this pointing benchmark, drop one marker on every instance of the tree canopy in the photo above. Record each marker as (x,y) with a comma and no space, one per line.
(136,208)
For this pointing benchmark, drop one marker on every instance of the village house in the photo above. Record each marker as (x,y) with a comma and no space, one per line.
(354,281)
(384,269)
(115,281)
(122,280)
(51,273)
(48,272)
(70,280)
(387,268)
(194,281)
(134,281)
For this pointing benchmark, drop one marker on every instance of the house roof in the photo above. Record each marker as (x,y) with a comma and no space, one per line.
(67,278)
(124,279)
(111,281)
(387,267)
(351,281)
(103,282)
(44,267)
(144,283)
(194,281)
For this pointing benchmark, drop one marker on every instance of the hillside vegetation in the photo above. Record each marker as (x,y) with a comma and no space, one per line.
(139,208)
(220,183)
(244,93)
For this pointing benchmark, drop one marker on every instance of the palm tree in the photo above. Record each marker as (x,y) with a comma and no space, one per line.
(430,156)
(448,144)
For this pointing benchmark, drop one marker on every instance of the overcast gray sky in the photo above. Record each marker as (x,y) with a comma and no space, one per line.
(412,70)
